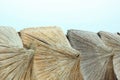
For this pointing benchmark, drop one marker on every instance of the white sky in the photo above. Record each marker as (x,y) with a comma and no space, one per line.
(90,15)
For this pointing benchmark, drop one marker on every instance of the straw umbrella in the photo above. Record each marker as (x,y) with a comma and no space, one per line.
(15,61)
(113,41)
(54,58)
(96,57)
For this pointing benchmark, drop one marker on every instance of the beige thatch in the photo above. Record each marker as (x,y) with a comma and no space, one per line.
(54,59)
(44,53)
(15,61)
(113,41)
(9,38)
(96,57)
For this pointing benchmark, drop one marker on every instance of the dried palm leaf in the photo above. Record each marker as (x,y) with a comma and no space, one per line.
(96,57)
(54,58)
(15,61)
(113,41)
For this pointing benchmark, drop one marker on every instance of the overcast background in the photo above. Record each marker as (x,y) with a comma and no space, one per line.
(90,15)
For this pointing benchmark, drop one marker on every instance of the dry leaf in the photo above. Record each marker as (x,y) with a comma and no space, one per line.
(96,57)
(54,58)
(15,61)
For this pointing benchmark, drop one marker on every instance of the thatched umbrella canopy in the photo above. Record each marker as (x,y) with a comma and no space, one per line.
(15,61)
(96,57)
(113,41)
(54,58)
